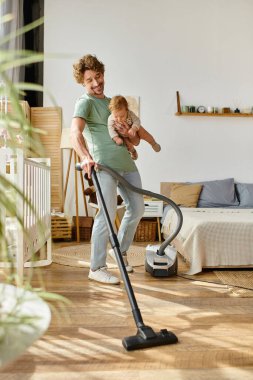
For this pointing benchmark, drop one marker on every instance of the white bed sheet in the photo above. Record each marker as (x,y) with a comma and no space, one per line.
(213,237)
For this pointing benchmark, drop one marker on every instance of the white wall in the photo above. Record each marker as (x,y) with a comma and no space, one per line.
(152,49)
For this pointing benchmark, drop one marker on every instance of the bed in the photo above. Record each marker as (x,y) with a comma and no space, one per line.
(32,177)
(213,237)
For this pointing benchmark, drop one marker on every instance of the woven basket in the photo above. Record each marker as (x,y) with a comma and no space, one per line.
(61,227)
(146,230)
(85,227)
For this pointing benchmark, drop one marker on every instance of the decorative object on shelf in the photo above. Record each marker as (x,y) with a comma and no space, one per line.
(246,110)
(178,103)
(237,110)
(192,109)
(201,109)
(216,112)
(185,109)
(210,109)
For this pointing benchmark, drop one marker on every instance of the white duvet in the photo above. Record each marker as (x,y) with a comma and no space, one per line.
(213,237)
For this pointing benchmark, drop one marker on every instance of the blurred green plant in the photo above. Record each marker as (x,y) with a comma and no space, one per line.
(16,132)
(15,123)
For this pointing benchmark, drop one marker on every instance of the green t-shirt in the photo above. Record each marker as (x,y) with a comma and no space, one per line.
(102,148)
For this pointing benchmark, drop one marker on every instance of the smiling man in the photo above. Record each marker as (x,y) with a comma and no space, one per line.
(89,125)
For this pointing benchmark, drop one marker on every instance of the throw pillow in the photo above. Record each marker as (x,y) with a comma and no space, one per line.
(165,187)
(185,195)
(245,194)
(219,193)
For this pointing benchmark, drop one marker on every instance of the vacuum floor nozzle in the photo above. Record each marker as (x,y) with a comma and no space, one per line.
(146,337)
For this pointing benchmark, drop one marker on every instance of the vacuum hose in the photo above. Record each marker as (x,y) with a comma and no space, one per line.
(125,183)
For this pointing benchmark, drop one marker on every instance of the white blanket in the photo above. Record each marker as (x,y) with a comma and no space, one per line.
(213,237)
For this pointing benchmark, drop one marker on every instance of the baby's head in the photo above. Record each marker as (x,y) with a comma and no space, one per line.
(119,108)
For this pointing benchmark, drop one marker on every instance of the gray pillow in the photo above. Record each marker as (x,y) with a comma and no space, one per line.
(219,193)
(245,194)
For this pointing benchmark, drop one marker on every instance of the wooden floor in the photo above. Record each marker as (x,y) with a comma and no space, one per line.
(214,328)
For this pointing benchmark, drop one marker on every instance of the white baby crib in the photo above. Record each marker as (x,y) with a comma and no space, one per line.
(32,177)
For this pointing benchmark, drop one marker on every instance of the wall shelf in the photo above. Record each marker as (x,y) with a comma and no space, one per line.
(214,114)
(179,113)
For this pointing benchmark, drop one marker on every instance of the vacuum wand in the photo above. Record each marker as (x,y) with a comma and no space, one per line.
(115,245)
(145,336)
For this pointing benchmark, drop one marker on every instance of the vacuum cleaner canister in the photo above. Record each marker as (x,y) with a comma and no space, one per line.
(164,265)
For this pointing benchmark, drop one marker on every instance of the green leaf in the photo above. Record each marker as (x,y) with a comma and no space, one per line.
(22,31)
(6,18)
(21,62)
(16,122)
(53,297)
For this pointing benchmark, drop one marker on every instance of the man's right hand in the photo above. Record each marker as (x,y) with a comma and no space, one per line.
(87,164)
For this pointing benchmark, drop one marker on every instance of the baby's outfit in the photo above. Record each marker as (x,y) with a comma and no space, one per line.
(120,130)
(116,129)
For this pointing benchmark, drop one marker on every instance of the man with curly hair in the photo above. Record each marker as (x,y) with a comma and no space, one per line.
(89,125)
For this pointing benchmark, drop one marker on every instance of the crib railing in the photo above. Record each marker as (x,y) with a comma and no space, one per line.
(32,177)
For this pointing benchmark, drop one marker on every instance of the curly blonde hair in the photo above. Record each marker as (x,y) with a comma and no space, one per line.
(87,62)
(117,103)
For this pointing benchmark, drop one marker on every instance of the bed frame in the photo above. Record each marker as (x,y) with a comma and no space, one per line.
(32,177)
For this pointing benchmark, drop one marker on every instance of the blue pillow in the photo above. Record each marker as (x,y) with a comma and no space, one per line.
(219,193)
(245,194)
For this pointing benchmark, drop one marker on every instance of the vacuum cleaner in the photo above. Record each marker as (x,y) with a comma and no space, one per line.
(160,261)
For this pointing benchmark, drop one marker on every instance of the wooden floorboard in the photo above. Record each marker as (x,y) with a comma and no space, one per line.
(83,341)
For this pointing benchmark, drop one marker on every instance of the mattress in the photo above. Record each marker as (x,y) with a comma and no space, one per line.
(213,237)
